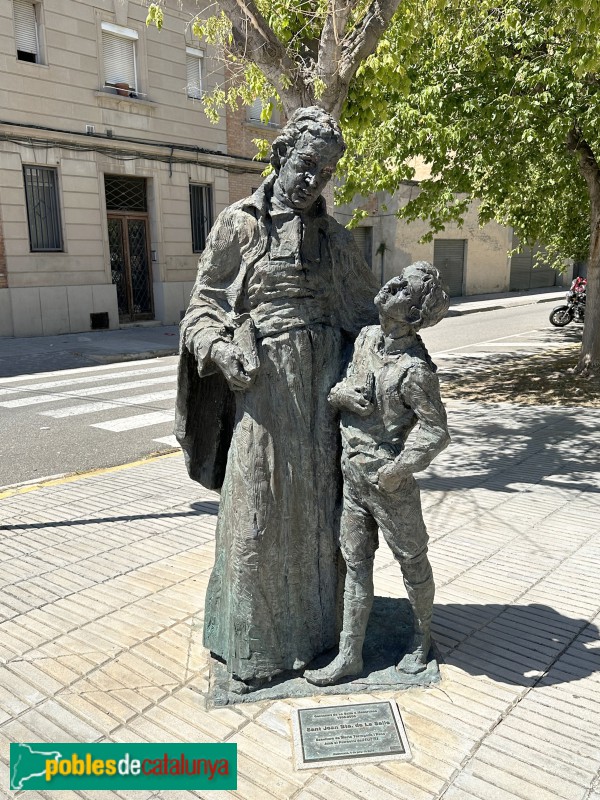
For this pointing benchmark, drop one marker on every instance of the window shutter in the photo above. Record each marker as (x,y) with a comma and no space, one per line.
(26,35)
(119,60)
(255,110)
(194,76)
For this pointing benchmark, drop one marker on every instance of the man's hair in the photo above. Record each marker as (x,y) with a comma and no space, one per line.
(435,300)
(312,120)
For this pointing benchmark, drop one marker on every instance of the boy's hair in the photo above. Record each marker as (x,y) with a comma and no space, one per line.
(435,300)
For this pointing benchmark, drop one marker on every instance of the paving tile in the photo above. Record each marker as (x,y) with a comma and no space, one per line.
(470,786)
(527,786)
(552,760)
(117,647)
(375,787)
(76,726)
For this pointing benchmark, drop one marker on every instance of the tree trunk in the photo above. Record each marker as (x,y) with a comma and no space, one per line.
(589,357)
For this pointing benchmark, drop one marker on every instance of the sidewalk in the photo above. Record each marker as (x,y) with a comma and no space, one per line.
(24,356)
(104,578)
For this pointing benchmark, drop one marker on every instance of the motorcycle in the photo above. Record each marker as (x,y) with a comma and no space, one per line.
(574,308)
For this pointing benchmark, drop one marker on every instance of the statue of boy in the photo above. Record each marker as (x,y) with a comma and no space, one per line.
(393,423)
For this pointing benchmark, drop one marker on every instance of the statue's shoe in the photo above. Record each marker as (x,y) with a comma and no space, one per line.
(412,663)
(339,668)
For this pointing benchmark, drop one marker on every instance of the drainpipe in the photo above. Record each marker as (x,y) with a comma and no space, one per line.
(381,252)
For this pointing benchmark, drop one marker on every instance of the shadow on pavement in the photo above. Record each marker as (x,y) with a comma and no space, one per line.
(206,508)
(517,644)
(547,446)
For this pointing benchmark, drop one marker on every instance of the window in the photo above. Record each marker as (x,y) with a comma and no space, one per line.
(43,213)
(255,111)
(26,31)
(194,72)
(201,214)
(118,47)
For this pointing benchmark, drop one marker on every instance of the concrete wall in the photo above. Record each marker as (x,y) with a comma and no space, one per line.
(487,266)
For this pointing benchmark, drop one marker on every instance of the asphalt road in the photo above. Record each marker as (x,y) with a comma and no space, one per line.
(50,427)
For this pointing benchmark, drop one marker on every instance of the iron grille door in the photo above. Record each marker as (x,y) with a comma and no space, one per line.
(130,266)
(118,269)
(139,268)
(127,205)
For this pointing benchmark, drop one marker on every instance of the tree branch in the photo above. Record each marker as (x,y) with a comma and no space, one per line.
(332,36)
(364,39)
(355,47)
(254,39)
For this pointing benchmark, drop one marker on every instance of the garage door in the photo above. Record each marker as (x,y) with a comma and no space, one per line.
(363,237)
(449,258)
(523,275)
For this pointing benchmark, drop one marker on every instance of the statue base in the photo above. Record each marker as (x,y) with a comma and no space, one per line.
(389,631)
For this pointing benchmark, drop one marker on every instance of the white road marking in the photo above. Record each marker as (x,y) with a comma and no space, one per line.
(170,440)
(483,344)
(89,408)
(77,371)
(137,421)
(515,344)
(34,387)
(91,391)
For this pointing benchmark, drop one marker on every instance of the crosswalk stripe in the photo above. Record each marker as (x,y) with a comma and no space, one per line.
(170,440)
(94,390)
(89,408)
(77,371)
(35,387)
(137,421)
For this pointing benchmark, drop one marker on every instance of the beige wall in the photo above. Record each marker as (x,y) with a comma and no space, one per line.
(487,266)
(67,91)
(45,293)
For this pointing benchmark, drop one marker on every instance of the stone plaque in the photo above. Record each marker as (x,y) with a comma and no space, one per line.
(347,734)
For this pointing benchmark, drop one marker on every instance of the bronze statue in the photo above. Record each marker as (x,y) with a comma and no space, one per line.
(393,424)
(281,293)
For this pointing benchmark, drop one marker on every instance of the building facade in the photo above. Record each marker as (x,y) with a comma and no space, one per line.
(471,259)
(111,175)
(110,172)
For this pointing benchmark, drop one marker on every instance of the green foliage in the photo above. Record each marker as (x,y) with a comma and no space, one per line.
(486,98)
(155,15)
(483,93)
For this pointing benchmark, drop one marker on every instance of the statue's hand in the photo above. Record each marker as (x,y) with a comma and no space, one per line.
(390,477)
(230,360)
(356,399)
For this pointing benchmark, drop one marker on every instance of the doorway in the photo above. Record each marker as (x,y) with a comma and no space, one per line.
(128,242)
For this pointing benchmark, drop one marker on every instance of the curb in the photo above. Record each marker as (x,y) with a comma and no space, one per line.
(117,358)
(458,312)
(69,477)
